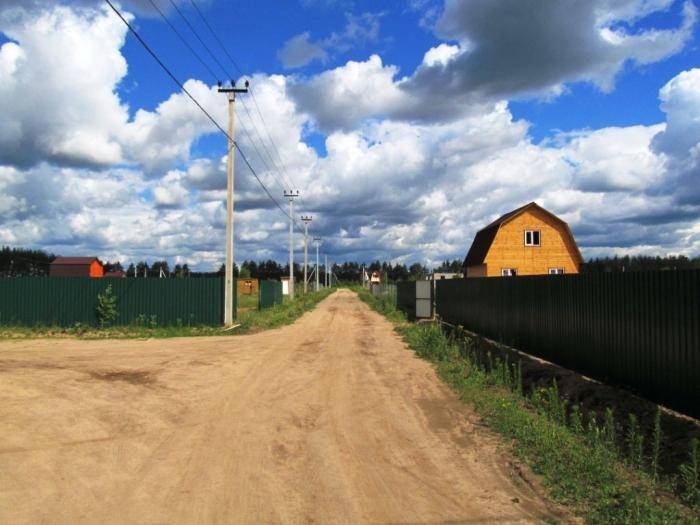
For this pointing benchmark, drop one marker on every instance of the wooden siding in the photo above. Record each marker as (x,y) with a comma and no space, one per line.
(508,249)
(476,270)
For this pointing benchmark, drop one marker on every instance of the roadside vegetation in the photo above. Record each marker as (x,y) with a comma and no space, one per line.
(584,463)
(249,320)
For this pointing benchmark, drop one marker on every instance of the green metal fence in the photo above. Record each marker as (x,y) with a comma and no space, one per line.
(64,301)
(384,290)
(270,293)
(640,330)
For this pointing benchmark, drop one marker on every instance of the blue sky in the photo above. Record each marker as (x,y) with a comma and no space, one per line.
(406,125)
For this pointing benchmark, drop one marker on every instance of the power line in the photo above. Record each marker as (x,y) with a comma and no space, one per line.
(194,100)
(255,102)
(221,45)
(194,31)
(183,40)
(227,74)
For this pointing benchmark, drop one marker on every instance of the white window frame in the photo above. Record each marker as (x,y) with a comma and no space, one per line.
(509,272)
(556,271)
(532,238)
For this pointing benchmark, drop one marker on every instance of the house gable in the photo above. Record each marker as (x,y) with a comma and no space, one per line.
(501,244)
(556,250)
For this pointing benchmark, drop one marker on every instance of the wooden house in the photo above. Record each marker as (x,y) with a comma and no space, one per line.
(76,267)
(526,241)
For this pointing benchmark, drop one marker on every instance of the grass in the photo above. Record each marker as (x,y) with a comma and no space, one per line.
(247,302)
(249,319)
(580,464)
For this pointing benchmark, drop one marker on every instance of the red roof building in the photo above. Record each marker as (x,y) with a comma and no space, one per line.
(76,267)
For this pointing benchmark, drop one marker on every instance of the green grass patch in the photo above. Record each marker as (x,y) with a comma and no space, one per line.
(249,321)
(247,302)
(580,464)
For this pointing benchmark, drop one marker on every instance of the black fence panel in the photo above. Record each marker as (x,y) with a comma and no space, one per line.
(406,298)
(640,330)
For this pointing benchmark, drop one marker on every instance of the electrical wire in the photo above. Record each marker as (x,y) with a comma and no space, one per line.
(252,93)
(226,74)
(196,102)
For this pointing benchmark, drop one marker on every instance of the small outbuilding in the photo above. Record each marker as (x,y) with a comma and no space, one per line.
(247,286)
(76,267)
(526,241)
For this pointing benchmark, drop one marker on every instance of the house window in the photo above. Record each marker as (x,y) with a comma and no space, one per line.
(532,237)
(509,272)
(556,271)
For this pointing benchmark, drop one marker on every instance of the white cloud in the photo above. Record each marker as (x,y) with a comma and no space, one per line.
(344,96)
(680,100)
(440,55)
(59,73)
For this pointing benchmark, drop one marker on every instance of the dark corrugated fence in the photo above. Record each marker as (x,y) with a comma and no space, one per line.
(635,329)
(270,293)
(63,301)
(406,298)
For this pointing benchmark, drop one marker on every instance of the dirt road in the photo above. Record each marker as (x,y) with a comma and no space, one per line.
(329,420)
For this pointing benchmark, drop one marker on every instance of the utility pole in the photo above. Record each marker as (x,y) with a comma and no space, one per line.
(306,219)
(291,195)
(317,240)
(228,280)
(325,275)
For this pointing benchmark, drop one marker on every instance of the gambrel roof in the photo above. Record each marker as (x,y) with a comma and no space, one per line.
(484,237)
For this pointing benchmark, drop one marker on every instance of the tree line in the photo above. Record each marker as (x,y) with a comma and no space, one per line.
(15,262)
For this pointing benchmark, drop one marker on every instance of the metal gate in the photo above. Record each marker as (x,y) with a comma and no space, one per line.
(415,299)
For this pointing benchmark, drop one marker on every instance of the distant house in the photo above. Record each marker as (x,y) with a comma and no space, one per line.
(438,276)
(375,277)
(76,267)
(247,286)
(116,274)
(526,241)
(285,285)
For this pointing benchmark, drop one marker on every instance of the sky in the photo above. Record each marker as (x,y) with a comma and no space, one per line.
(406,126)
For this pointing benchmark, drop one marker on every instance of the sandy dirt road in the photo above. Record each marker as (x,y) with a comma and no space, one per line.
(329,420)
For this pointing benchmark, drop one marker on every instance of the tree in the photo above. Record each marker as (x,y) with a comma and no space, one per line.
(417,272)
(159,266)
(106,307)
(15,262)
(142,269)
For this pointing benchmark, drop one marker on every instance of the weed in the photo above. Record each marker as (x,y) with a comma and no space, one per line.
(575,420)
(656,445)
(690,475)
(635,443)
(609,429)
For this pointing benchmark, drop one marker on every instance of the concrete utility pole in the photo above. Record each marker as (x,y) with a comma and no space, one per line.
(306,219)
(317,240)
(291,195)
(228,280)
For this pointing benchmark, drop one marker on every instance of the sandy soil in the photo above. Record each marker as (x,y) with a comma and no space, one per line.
(329,420)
